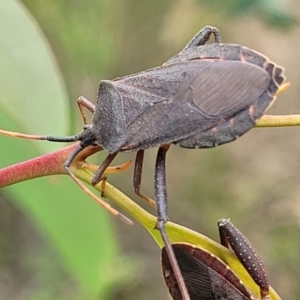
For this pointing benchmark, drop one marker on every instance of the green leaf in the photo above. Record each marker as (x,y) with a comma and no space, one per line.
(32,91)
(33,99)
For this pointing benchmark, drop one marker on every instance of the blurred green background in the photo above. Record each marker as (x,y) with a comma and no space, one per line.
(54,242)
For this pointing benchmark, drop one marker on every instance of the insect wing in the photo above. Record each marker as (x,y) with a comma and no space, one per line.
(194,272)
(213,92)
(205,276)
(226,87)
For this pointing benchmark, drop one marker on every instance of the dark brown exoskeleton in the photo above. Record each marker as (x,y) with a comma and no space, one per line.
(207,95)
(208,278)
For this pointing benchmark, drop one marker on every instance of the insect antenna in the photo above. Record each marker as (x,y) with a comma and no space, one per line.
(50,138)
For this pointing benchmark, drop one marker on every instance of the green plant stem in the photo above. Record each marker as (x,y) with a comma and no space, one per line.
(278,121)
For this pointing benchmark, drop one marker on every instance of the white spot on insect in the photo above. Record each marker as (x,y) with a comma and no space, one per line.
(243,59)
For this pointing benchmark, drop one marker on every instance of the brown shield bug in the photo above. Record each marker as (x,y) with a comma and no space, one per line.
(208,277)
(206,95)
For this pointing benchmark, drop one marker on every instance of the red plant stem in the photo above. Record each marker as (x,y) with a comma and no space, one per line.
(48,164)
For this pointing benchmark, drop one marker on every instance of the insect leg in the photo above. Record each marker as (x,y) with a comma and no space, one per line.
(248,256)
(99,173)
(198,40)
(137,178)
(162,215)
(105,205)
(85,103)
(202,37)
